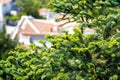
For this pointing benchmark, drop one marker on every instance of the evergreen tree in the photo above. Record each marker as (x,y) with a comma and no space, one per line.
(5,44)
(72,56)
(101,15)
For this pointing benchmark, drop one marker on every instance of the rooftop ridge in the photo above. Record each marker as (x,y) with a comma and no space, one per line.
(33,26)
(47,21)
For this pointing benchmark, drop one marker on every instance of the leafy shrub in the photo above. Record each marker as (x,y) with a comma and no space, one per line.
(15,18)
(72,56)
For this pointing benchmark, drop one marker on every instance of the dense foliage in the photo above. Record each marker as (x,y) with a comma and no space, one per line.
(5,45)
(102,15)
(15,17)
(71,57)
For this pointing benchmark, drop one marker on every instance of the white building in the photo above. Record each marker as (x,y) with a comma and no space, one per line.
(30,30)
(5,7)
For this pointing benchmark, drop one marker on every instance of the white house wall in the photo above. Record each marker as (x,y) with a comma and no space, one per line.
(1,17)
(10,30)
(36,38)
(1,11)
(24,39)
(69,29)
(27,40)
(4,8)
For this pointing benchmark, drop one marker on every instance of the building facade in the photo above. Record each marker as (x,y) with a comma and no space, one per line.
(5,7)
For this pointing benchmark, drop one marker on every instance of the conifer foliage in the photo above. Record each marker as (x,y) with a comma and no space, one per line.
(72,56)
(5,44)
(102,15)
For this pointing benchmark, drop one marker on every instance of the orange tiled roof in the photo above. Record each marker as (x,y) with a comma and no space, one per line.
(4,1)
(40,34)
(43,10)
(27,29)
(43,27)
